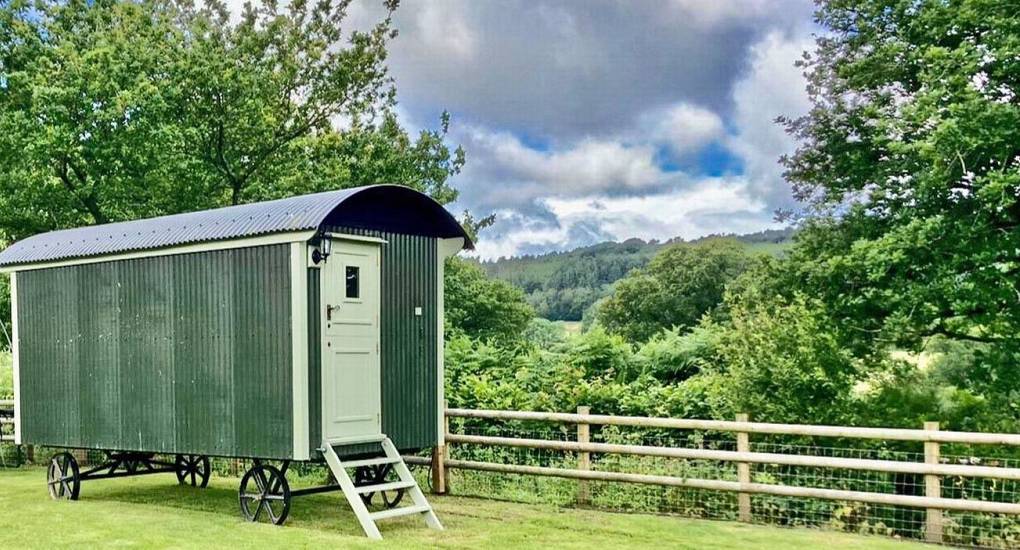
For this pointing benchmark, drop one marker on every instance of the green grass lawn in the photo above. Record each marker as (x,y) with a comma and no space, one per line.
(154,512)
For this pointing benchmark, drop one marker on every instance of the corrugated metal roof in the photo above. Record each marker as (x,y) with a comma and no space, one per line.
(300,213)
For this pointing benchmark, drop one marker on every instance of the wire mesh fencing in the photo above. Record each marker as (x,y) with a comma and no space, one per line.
(984,530)
(11,455)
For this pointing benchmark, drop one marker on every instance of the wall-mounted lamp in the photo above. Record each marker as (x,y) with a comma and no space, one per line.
(325,248)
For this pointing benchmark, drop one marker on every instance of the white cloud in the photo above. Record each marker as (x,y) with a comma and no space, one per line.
(684,128)
(772,86)
(589,166)
(444,32)
(711,205)
(503,172)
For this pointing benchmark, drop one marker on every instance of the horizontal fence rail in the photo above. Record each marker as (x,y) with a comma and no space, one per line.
(756,488)
(892,434)
(889,466)
(933,469)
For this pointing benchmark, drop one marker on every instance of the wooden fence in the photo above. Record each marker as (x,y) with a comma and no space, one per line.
(6,421)
(933,469)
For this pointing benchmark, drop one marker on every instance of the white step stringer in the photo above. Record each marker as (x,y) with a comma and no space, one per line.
(419,505)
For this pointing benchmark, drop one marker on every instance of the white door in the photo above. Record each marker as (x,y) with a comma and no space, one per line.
(351,388)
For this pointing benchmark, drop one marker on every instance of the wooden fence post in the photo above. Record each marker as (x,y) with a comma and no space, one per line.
(583,458)
(743,473)
(932,488)
(440,454)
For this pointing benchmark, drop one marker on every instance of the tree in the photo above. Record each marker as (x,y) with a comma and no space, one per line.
(114,110)
(483,308)
(679,285)
(909,169)
(780,361)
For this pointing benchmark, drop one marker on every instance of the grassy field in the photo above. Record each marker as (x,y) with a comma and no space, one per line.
(154,512)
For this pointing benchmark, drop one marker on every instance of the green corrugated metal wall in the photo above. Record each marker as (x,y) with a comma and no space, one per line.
(183,353)
(409,353)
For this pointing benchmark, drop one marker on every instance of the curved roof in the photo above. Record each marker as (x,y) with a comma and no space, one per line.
(392,208)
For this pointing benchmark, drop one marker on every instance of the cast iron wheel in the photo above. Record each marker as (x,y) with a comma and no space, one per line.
(63,478)
(192,470)
(374,475)
(264,493)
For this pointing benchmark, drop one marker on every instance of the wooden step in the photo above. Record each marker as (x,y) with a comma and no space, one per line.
(397,512)
(385,487)
(369,462)
(355,495)
(347,441)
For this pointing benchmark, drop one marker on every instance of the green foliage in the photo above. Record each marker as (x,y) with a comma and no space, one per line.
(600,354)
(675,356)
(564,285)
(483,308)
(6,376)
(781,362)
(910,172)
(951,381)
(544,334)
(115,110)
(593,368)
(679,285)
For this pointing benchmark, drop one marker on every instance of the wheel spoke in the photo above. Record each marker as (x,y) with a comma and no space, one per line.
(260,480)
(258,510)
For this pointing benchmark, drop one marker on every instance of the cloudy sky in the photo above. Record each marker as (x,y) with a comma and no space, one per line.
(591,120)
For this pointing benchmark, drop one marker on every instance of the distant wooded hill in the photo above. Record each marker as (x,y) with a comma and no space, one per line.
(563,285)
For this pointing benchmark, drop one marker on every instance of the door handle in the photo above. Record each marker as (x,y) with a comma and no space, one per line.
(329,311)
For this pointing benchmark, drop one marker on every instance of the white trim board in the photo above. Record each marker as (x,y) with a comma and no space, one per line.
(350,237)
(278,238)
(16,358)
(299,348)
(445,248)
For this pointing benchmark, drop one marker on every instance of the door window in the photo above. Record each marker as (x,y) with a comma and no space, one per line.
(352,276)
